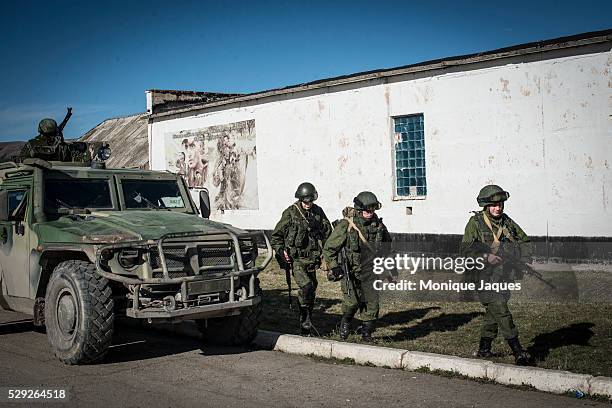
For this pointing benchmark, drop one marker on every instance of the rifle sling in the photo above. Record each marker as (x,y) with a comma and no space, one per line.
(361,237)
(319,242)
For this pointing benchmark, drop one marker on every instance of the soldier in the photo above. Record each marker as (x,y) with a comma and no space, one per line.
(486,233)
(44,145)
(361,234)
(298,240)
(49,144)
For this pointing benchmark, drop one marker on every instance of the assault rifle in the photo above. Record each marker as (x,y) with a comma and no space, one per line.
(60,128)
(346,273)
(517,263)
(286,266)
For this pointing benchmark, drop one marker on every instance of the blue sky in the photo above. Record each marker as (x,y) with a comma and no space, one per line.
(100,57)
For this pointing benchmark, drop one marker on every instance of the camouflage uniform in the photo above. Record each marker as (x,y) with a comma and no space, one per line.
(302,233)
(358,291)
(48,145)
(503,236)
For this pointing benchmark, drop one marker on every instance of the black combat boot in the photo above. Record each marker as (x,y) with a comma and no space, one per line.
(520,357)
(367,329)
(305,323)
(484,349)
(345,326)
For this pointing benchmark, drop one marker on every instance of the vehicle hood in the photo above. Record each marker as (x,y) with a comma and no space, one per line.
(120,226)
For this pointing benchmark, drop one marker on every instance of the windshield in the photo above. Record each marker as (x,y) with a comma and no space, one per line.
(153,194)
(77,193)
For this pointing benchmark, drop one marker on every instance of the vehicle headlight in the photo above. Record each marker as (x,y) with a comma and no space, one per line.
(249,253)
(129,258)
(104,153)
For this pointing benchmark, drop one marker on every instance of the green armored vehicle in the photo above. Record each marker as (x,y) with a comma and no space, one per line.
(81,245)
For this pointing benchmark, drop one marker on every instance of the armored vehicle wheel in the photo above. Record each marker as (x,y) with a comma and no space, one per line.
(232,330)
(79,313)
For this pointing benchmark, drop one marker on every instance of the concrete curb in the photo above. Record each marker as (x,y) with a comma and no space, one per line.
(554,381)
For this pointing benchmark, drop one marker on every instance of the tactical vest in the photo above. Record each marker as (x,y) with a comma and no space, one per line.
(507,236)
(374,232)
(507,232)
(305,232)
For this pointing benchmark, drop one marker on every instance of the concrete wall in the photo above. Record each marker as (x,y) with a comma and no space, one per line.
(541,129)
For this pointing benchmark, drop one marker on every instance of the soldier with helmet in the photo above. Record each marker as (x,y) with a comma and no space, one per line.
(298,240)
(488,234)
(359,235)
(47,137)
(49,144)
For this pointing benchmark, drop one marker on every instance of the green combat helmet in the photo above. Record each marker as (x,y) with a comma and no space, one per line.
(306,192)
(366,200)
(491,194)
(47,127)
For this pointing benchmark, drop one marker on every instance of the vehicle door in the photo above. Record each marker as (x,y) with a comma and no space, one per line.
(15,239)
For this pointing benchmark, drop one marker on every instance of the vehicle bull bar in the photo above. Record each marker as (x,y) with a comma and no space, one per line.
(147,244)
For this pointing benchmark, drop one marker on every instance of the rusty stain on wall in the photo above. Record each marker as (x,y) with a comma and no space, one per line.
(504,88)
(342,160)
(525,92)
(344,142)
(504,83)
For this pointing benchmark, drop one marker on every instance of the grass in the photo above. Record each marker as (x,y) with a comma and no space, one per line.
(563,335)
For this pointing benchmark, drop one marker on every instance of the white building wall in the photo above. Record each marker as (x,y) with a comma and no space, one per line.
(541,130)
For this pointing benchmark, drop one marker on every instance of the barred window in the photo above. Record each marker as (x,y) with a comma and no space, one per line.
(410,180)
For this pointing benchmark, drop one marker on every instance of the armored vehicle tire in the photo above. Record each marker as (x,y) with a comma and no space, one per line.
(232,330)
(79,313)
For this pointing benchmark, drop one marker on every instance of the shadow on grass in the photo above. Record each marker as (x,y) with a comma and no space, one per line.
(278,317)
(442,323)
(577,334)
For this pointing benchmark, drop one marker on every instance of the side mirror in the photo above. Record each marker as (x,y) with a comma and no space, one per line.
(4,215)
(204,204)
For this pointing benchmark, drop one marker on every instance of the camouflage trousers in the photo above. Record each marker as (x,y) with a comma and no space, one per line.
(498,317)
(304,275)
(362,297)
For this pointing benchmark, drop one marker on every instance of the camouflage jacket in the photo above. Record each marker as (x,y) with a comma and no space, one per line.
(302,233)
(54,148)
(513,242)
(357,252)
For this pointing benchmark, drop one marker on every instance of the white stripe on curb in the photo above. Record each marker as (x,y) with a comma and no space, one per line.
(365,354)
(540,378)
(554,381)
(601,386)
(469,367)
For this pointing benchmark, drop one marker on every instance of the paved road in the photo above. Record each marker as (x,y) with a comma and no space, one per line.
(146,368)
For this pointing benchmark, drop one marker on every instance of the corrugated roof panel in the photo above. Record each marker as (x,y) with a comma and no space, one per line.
(128,140)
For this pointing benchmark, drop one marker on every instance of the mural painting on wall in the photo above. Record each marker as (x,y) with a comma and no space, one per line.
(222,159)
